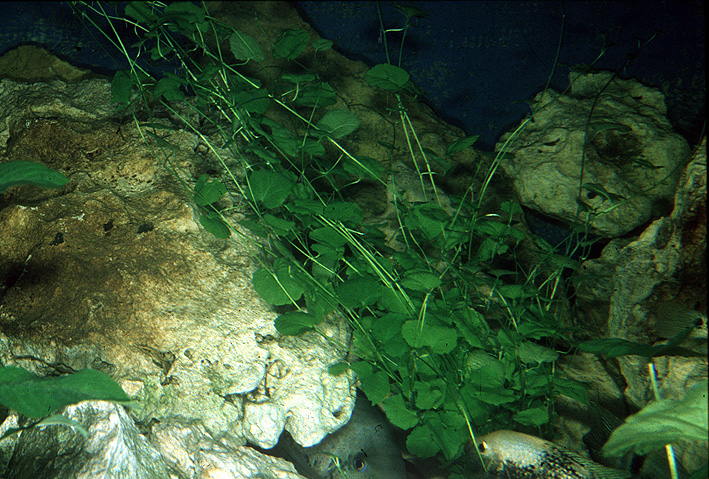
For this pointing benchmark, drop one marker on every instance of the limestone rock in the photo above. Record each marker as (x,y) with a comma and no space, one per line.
(114,448)
(630,151)
(113,272)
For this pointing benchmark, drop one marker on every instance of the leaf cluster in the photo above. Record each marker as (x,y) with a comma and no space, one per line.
(447,336)
(451,334)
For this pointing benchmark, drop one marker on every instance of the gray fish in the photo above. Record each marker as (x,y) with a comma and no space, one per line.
(602,423)
(364,448)
(675,318)
(515,455)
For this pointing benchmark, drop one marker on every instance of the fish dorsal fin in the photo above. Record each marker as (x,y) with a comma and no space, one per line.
(602,472)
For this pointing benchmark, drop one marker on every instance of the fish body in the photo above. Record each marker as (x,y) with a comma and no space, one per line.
(514,455)
(673,319)
(364,448)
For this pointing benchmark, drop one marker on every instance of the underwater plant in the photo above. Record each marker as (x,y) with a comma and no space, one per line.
(454,334)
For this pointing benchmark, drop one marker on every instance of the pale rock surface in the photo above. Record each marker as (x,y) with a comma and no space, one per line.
(113,272)
(628,130)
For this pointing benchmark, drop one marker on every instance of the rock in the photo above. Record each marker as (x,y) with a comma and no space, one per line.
(113,272)
(114,448)
(631,153)
(667,262)
(32,63)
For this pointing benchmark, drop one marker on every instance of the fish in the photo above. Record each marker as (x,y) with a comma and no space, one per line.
(364,448)
(602,423)
(673,319)
(516,455)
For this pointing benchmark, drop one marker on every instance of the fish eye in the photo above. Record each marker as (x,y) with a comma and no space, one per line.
(359,464)
(482,447)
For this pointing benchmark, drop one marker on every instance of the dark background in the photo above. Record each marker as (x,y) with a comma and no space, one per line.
(476,61)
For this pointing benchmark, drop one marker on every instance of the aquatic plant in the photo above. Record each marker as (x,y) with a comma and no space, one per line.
(452,333)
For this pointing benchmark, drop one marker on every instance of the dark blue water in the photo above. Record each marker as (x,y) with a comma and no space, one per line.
(478,61)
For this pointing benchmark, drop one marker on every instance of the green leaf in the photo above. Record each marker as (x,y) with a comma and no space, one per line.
(428,218)
(411,12)
(387,326)
(208,190)
(532,353)
(186,16)
(244,47)
(254,100)
(537,416)
(394,301)
(572,388)
(280,226)
(449,431)
(338,123)
(472,326)
(387,77)
(213,223)
(492,228)
(338,368)
(485,369)
(295,323)
(281,137)
(36,397)
(421,442)
(662,422)
(22,172)
(269,187)
(429,395)
(440,339)
(322,44)
(141,12)
(298,78)
(59,420)
(398,413)
(320,302)
(291,43)
(121,87)
(359,292)
(328,236)
(461,144)
(374,384)
(278,288)
(489,249)
(493,396)
(364,167)
(348,213)
(169,89)
(420,280)
(319,95)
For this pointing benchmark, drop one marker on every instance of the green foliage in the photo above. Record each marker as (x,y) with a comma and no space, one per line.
(452,333)
(387,77)
(22,172)
(662,422)
(614,347)
(37,397)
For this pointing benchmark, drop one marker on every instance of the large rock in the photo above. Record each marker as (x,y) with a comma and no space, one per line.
(620,293)
(617,138)
(113,272)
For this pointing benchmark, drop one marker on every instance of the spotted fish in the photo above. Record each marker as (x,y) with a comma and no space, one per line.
(362,449)
(513,455)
